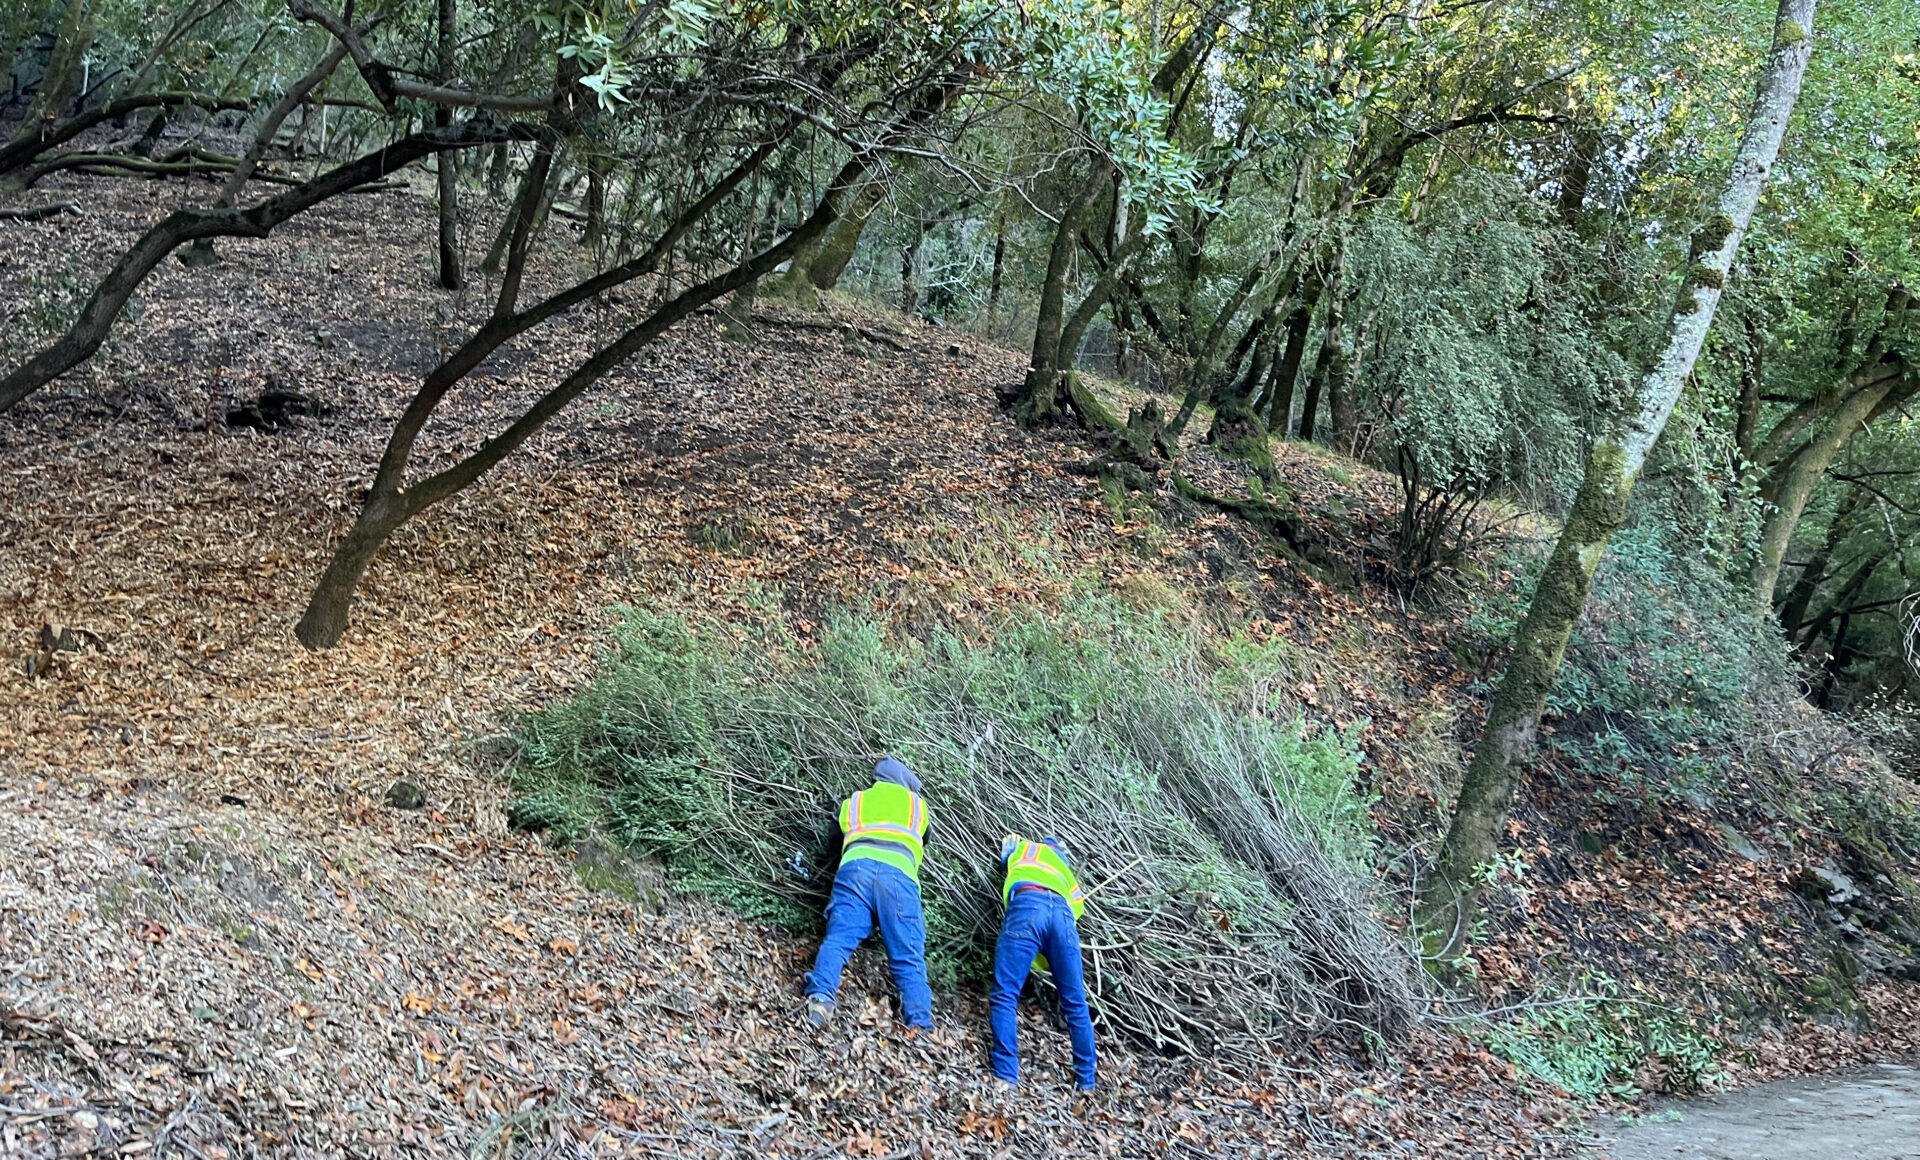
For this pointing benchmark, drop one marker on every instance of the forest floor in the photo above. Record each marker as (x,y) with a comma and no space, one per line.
(215,937)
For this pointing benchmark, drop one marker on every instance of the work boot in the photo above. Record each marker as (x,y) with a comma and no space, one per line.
(819,1010)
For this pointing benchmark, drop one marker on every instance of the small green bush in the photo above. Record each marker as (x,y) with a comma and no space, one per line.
(1227,854)
(1594,1045)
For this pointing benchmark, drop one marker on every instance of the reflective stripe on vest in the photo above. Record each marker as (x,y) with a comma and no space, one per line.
(1035,863)
(885,813)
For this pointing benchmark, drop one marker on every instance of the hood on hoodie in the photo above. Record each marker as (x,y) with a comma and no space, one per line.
(889,769)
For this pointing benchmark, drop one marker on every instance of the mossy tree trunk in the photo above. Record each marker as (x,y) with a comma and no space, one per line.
(1793,486)
(1506,744)
(64,69)
(1039,395)
(818,268)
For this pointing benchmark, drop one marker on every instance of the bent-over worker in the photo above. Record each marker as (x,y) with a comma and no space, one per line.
(883,834)
(1043,900)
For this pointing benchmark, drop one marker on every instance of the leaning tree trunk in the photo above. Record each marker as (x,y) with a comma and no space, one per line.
(201,253)
(391,501)
(1795,488)
(1613,464)
(818,267)
(1793,612)
(96,316)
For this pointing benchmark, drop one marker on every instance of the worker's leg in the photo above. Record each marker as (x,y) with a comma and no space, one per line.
(1063,958)
(1012,961)
(849,920)
(904,927)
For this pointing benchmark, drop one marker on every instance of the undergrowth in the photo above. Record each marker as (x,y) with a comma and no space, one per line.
(1664,675)
(1595,1044)
(1227,853)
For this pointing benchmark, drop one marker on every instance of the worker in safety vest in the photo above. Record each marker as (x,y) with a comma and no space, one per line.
(1043,899)
(883,832)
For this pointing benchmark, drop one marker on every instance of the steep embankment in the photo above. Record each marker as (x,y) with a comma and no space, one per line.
(213,929)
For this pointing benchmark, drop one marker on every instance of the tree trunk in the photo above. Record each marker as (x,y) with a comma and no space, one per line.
(389,504)
(201,253)
(818,267)
(598,166)
(65,69)
(1794,610)
(1287,373)
(909,267)
(999,264)
(1577,176)
(96,317)
(1613,464)
(1238,430)
(1039,395)
(837,248)
(1330,369)
(1752,376)
(516,233)
(448,166)
(1792,491)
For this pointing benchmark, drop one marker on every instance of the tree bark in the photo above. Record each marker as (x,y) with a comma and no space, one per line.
(23,150)
(64,68)
(516,233)
(1040,393)
(1577,176)
(201,252)
(1614,462)
(909,268)
(1793,612)
(598,167)
(818,267)
(999,264)
(448,169)
(1287,373)
(1792,490)
(1752,376)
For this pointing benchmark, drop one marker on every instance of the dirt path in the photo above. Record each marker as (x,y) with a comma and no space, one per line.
(1871,1113)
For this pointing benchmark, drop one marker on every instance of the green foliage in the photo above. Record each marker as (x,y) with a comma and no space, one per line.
(1663,672)
(1489,362)
(1211,827)
(1595,1045)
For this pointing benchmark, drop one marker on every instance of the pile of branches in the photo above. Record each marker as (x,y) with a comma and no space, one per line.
(1225,856)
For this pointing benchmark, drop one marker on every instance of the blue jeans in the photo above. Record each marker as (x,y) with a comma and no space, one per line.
(1039,922)
(865,892)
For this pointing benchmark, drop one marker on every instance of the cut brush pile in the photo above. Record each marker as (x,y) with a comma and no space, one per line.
(1225,851)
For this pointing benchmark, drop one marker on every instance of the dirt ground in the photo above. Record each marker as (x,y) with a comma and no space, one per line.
(1870,1113)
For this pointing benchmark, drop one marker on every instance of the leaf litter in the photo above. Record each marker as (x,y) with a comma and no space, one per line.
(217,942)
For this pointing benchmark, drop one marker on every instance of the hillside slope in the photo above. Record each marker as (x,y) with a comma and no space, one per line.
(214,930)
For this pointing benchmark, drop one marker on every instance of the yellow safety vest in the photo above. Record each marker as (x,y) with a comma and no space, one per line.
(885,813)
(1035,863)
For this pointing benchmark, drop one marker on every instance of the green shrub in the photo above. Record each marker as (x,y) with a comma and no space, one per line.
(1594,1045)
(1662,673)
(1226,852)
